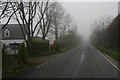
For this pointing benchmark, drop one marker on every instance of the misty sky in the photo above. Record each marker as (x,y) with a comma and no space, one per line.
(84,13)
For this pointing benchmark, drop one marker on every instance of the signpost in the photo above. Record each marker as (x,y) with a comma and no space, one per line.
(51,43)
(1,51)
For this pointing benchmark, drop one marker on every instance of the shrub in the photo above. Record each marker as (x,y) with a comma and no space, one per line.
(39,46)
(23,53)
(42,46)
(3,53)
(58,45)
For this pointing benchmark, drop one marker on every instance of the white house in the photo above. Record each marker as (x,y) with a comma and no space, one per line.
(12,36)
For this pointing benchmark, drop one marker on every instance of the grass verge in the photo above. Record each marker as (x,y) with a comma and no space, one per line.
(11,67)
(114,53)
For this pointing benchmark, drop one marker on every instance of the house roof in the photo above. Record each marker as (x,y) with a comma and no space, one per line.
(15,32)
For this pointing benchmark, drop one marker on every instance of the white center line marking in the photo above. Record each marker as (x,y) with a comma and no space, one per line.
(109,61)
(82,57)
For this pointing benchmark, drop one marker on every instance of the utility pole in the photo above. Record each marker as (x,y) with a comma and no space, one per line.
(0,51)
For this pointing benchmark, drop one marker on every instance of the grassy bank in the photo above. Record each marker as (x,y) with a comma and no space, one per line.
(38,54)
(114,53)
(11,67)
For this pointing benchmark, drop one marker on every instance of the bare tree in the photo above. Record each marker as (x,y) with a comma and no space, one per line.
(65,24)
(25,14)
(46,21)
(99,30)
(4,9)
(58,12)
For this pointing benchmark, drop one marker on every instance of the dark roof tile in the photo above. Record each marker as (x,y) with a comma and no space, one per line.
(15,32)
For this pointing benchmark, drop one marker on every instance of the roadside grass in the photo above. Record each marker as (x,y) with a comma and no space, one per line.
(11,67)
(114,53)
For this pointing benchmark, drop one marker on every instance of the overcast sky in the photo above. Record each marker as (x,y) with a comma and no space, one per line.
(84,13)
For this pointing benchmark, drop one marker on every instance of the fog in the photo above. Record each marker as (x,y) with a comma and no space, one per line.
(85,13)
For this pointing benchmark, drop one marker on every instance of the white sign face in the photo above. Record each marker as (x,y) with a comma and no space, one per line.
(51,41)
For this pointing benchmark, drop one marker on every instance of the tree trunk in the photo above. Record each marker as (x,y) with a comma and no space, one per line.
(43,37)
(56,33)
(29,46)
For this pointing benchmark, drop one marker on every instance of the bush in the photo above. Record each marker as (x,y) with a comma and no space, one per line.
(3,53)
(114,53)
(58,45)
(23,53)
(39,46)
(42,46)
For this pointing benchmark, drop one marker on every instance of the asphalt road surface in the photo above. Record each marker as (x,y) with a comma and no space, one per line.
(81,62)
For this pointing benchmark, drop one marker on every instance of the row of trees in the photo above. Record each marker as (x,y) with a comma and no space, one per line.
(106,32)
(42,18)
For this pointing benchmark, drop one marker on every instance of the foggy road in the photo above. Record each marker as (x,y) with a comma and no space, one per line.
(81,62)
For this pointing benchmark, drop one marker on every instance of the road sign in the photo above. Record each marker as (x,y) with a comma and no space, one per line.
(51,43)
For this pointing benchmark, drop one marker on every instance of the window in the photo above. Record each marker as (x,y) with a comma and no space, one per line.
(7,33)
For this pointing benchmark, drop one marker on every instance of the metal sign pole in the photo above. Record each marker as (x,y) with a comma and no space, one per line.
(49,44)
(1,46)
(49,48)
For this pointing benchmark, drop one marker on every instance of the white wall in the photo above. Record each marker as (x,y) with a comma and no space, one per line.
(7,42)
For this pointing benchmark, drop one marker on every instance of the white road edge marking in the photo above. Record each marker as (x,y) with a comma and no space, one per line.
(37,66)
(109,61)
(42,64)
(50,60)
(45,63)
